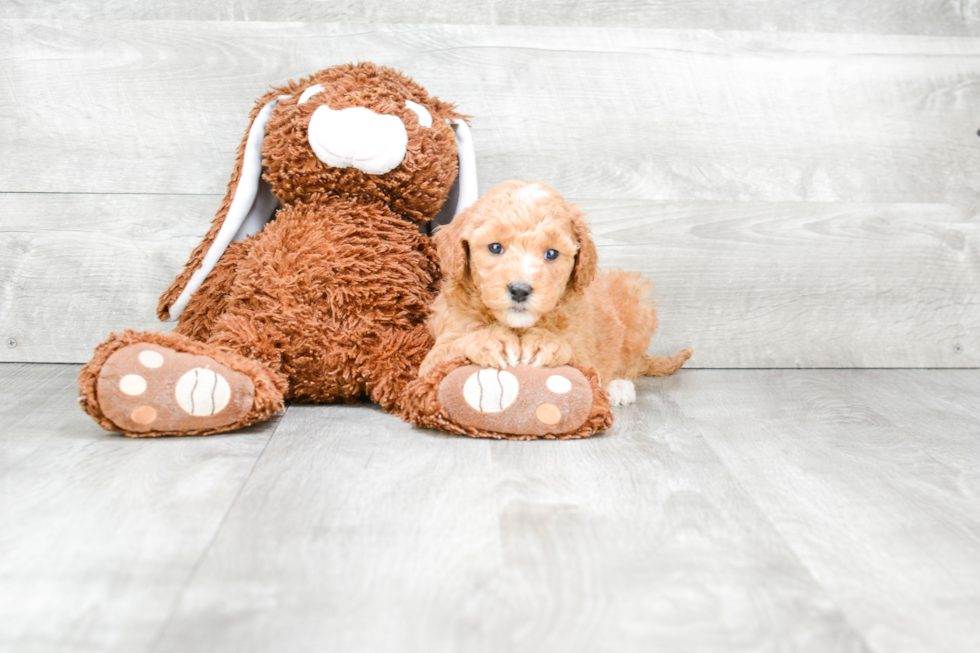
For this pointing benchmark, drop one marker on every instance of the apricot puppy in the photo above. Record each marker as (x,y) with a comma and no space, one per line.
(521,285)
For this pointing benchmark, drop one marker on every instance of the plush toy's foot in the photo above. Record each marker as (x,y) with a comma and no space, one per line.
(166,384)
(521,402)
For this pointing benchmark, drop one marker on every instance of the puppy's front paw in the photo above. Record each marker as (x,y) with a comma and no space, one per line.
(545,351)
(493,349)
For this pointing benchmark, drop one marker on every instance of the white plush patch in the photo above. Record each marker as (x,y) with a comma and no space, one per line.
(151,359)
(243,205)
(425,118)
(201,392)
(308,93)
(263,208)
(491,391)
(463,192)
(466,177)
(558,384)
(621,392)
(358,138)
(132,384)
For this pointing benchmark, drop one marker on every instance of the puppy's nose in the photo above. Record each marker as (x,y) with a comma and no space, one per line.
(519,291)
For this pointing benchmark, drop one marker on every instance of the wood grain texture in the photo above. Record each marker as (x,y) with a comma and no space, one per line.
(100,532)
(158,107)
(801,200)
(871,478)
(75,267)
(359,533)
(749,284)
(763,510)
(945,17)
(754,284)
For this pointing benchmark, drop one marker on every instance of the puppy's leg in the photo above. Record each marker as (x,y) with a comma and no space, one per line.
(541,348)
(621,392)
(491,347)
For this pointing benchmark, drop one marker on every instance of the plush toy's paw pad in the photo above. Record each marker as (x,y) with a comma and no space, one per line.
(145,388)
(521,400)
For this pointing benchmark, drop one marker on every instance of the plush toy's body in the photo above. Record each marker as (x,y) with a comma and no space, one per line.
(327,301)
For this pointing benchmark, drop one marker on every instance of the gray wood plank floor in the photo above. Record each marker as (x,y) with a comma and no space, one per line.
(745,510)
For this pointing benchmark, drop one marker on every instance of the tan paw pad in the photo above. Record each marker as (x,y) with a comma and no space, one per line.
(144,388)
(520,400)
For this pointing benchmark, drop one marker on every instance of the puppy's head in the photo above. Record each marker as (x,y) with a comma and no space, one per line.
(520,248)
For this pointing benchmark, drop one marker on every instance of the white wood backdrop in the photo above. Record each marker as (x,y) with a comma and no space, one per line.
(938,17)
(800,199)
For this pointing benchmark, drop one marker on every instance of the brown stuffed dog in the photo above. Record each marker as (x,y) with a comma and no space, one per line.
(315,281)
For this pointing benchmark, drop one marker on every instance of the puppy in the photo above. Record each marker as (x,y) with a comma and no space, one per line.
(521,285)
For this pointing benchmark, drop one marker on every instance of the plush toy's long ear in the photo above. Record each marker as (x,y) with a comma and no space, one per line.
(464,190)
(587,259)
(248,206)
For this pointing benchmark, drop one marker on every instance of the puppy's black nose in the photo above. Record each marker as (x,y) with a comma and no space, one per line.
(519,291)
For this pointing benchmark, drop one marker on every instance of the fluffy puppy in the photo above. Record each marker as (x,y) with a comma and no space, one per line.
(521,285)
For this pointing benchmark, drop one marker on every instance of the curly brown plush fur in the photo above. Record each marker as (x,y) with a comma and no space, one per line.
(329,301)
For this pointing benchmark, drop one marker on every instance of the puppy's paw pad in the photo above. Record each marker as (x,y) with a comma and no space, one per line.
(621,392)
(522,400)
(146,388)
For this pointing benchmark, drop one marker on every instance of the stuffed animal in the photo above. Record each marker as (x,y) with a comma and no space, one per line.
(315,281)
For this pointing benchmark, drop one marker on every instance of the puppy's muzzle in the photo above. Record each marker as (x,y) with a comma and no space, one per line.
(519,292)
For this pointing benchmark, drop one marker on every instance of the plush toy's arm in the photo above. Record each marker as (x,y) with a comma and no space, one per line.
(246,207)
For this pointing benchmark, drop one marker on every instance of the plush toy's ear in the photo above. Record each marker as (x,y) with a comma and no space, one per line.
(464,191)
(251,206)
(587,259)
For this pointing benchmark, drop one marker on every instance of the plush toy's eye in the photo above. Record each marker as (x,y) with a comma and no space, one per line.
(496,248)
(308,93)
(425,118)
(551,254)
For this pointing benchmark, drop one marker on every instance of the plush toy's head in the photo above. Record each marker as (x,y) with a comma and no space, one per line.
(362,130)
(358,131)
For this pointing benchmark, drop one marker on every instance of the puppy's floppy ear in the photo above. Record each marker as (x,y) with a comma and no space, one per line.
(453,250)
(587,259)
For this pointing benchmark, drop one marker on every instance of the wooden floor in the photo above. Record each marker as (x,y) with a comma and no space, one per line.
(728,510)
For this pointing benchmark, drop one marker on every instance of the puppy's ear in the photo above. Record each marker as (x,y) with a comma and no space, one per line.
(453,250)
(587,259)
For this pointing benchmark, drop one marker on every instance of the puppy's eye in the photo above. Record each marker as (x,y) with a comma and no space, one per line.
(551,254)
(496,248)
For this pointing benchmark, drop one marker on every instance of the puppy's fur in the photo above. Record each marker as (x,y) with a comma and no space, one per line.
(572,314)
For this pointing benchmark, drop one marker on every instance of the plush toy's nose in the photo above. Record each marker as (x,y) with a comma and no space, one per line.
(358,138)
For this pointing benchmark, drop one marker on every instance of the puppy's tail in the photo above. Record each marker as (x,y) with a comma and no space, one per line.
(663,366)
